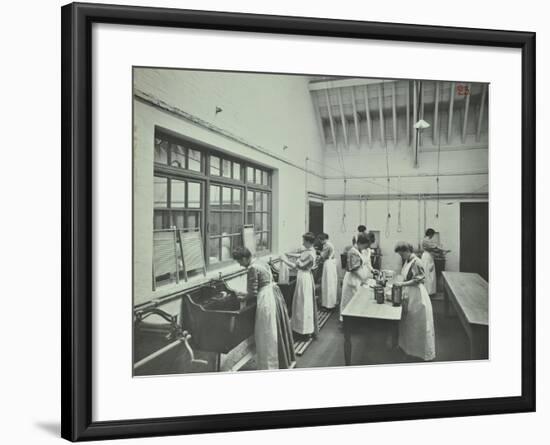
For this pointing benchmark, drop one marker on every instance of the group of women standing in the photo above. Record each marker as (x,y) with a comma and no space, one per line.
(416,331)
(274,328)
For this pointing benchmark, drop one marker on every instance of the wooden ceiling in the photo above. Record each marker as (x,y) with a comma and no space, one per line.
(372,114)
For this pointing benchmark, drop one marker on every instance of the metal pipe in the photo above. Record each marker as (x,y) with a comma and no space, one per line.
(419,175)
(158,353)
(179,294)
(185,339)
(410,196)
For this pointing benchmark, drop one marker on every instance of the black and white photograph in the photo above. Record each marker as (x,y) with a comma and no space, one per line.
(290,221)
(274,222)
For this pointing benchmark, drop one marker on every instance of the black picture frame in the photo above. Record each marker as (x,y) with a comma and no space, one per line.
(76,249)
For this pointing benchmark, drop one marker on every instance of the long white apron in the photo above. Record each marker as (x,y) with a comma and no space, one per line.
(352,282)
(265,330)
(284,273)
(303,304)
(429,268)
(416,329)
(329,284)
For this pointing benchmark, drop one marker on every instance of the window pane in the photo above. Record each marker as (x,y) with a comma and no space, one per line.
(161,192)
(236,170)
(237,204)
(158,221)
(265,208)
(258,222)
(264,221)
(226,168)
(237,223)
(263,245)
(193,195)
(214,250)
(214,165)
(258,201)
(236,241)
(226,198)
(249,174)
(226,223)
(161,151)
(226,248)
(258,176)
(265,178)
(194,160)
(193,220)
(178,156)
(178,219)
(258,241)
(214,224)
(177,193)
(214,197)
(250,201)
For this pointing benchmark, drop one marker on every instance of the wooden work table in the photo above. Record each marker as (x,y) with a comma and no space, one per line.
(362,308)
(468,293)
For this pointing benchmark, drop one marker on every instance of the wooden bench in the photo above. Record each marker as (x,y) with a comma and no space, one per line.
(468,293)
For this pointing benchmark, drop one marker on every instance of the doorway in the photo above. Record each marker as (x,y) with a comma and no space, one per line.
(474,238)
(316,216)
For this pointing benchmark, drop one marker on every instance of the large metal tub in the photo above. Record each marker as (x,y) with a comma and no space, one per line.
(217,322)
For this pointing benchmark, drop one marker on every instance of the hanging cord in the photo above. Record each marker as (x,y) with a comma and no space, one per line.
(438,164)
(399,227)
(365,180)
(342,166)
(365,203)
(343,225)
(388,217)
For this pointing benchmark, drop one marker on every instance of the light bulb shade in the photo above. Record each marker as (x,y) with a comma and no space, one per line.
(421,124)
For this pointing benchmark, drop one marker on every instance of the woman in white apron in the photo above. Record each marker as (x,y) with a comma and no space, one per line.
(329,282)
(304,311)
(416,329)
(357,271)
(272,332)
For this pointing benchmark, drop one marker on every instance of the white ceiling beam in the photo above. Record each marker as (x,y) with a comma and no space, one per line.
(367,111)
(330,119)
(342,83)
(355,118)
(381,114)
(318,116)
(481,111)
(343,117)
(466,109)
(451,109)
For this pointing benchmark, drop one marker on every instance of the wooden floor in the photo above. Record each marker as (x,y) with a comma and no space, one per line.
(373,348)
(327,350)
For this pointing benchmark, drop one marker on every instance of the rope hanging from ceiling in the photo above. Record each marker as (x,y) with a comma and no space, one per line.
(399,226)
(343,224)
(388,217)
(438,163)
